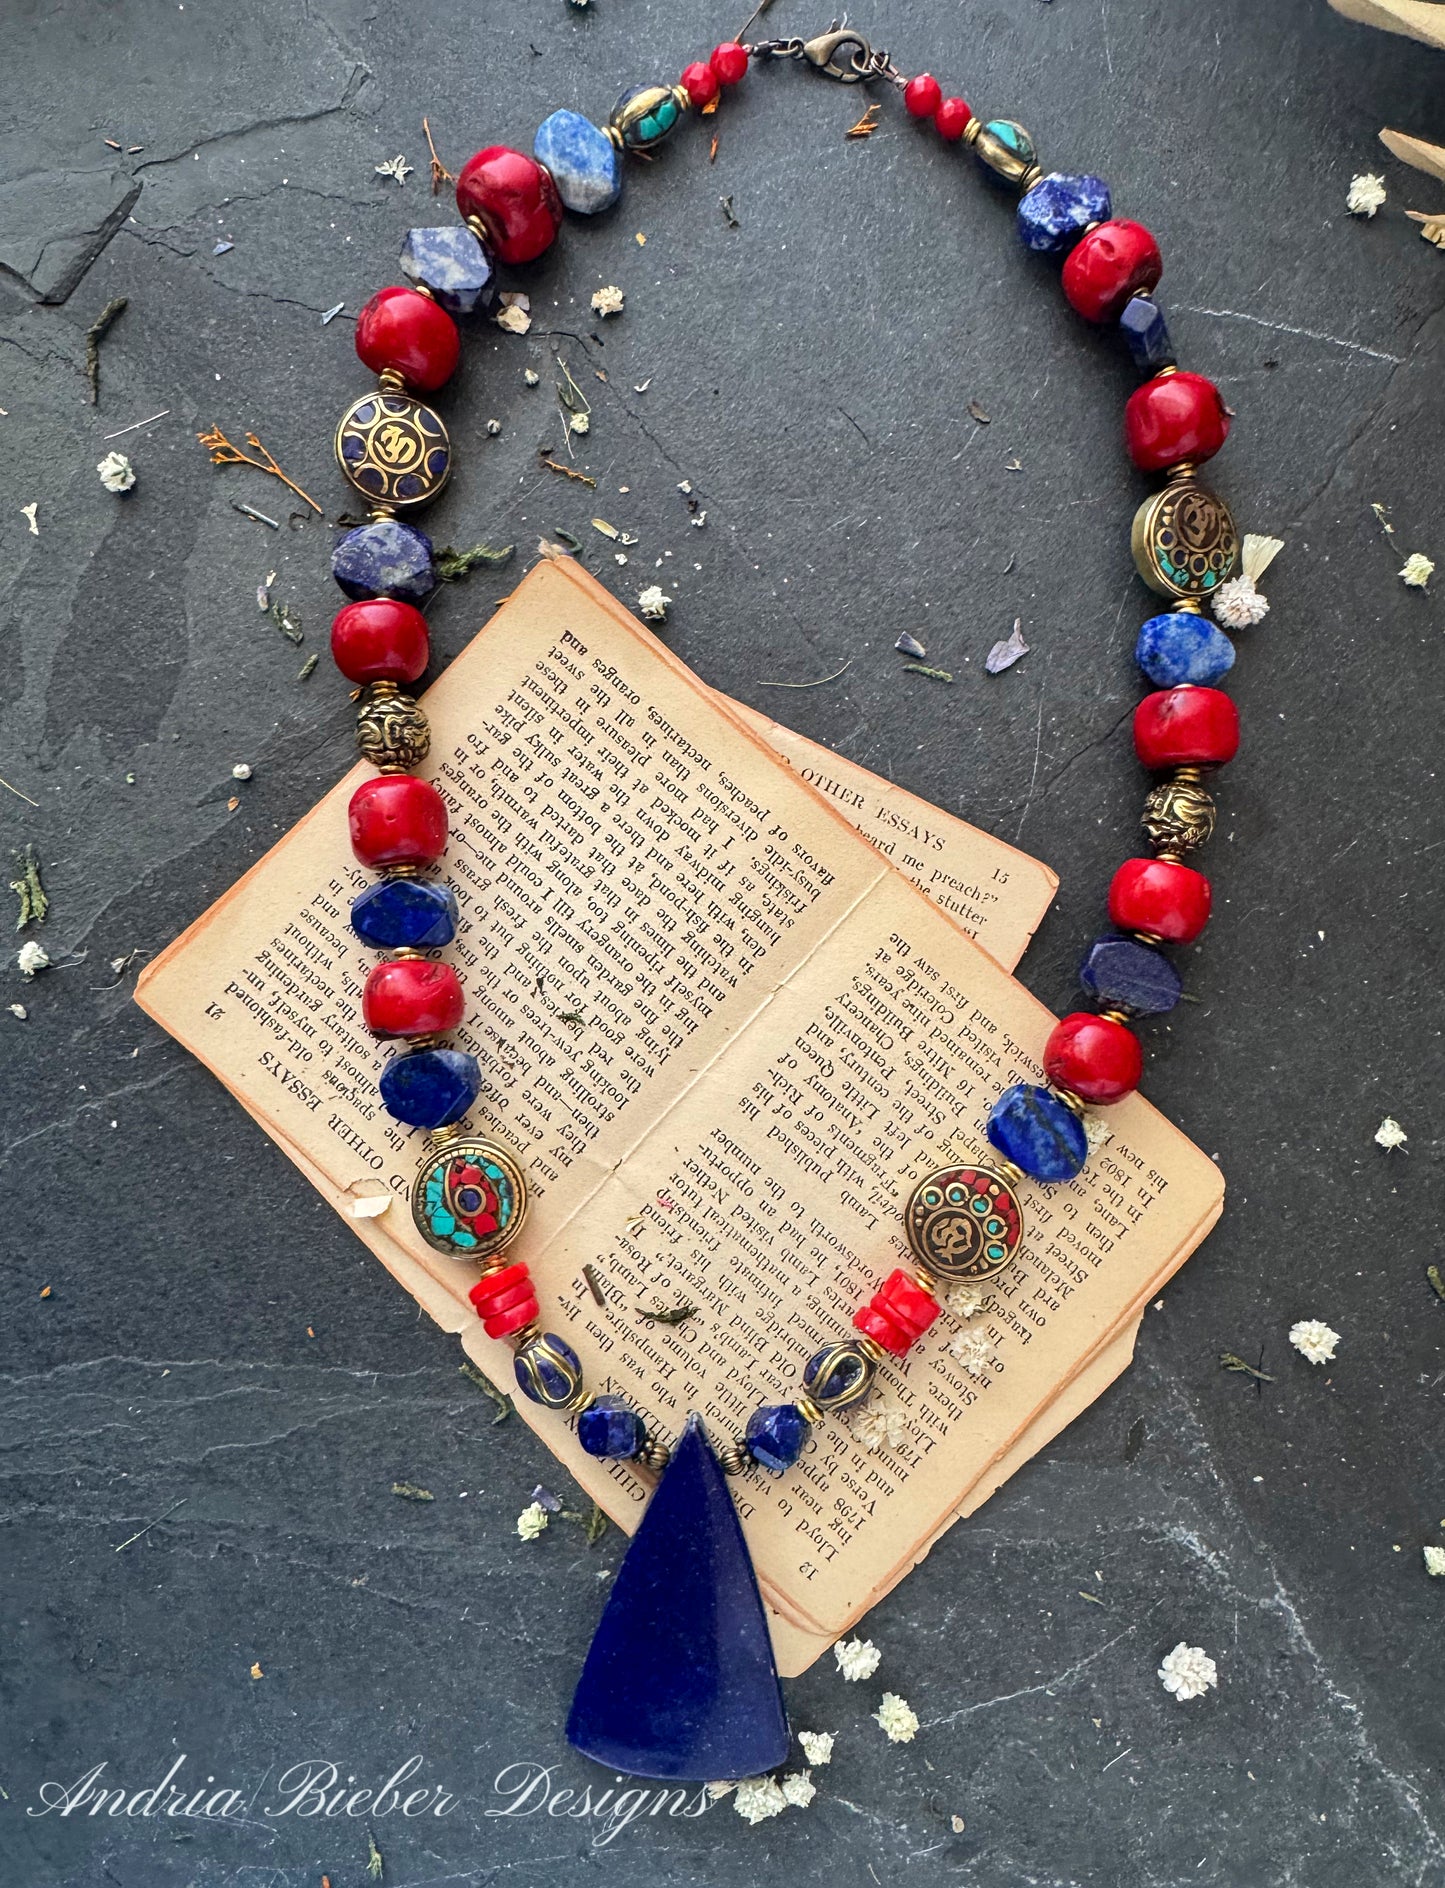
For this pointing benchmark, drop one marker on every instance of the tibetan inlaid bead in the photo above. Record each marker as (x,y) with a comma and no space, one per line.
(1121,973)
(1178,815)
(1038,1132)
(548,1371)
(645,114)
(609,1429)
(1005,150)
(1109,264)
(412,996)
(393,449)
(404,330)
(385,559)
(1186,727)
(380,640)
(397,820)
(456,267)
(1059,208)
(392,732)
(776,1435)
(1146,334)
(430,1087)
(963,1223)
(1160,898)
(1183,646)
(514,199)
(583,162)
(1095,1057)
(839,1375)
(898,1314)
(1174,417)
(505,1301)
(1184,541)
(469,1199)
(415,914)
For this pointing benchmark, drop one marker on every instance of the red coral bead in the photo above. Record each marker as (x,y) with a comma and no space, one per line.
(700,83)
(923,95)
(1107,265)
(514,198)
(403,329)
(730,62)
(898,1313)
(380,640)
(1094,1056)
(952,118)
(1186,727)
(1173,417)
(411,996)
(504,1300)
(397,819)
(1160,898)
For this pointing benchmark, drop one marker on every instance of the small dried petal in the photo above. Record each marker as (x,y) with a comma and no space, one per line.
(799,1789)
(965,1299)
(653,603)
(973,1351)
(1257,553)
(910,646)
(758,1798)
(531,1521)
(1434,1560)
(241,770)
(581,423)
(531,376)
(513,318)
(608,301)
(1366,194)
(879,1423)
(32,958)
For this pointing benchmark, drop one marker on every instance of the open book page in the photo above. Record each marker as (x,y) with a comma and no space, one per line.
(726,1037)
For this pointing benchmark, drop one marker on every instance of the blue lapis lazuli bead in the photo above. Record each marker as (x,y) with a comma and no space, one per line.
(776,1434)
(1143,327)
(844,1373)
(548,1371)
(430,1087)
(610,1428)
(417,914)
(1058,209)
(454,265)
(1180,647)
(385,559)
(1121,973)
(585,164)
(1038,1132)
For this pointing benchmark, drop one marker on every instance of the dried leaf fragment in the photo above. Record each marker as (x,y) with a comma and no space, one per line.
(866,125)
(1003,655)
(34,901)
(977,412)
(410,1492)
(514,318)
(910,645)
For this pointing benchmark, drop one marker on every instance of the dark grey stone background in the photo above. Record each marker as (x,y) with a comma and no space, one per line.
(810,372)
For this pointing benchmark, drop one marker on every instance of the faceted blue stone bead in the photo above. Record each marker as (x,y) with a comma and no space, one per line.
(385,559)
(459,270)
(585,164)
(1121,973)
(1143,326)
(1181,647)
(548,1371)
(430,1087)
(1059,208)
(776,1434)
(1038,1132)
(405,914)
(610,1427)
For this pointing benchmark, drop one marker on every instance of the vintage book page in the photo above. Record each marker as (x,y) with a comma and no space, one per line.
(726,1037)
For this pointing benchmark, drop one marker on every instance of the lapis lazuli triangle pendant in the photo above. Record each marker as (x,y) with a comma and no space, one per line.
(680,1681)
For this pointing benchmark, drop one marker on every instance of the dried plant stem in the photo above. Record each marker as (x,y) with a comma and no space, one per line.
(224,453)
(439,173)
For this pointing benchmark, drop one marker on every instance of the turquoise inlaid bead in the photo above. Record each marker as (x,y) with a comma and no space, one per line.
(1036,1131)
(585,164)
(644,115)
(1180,647)
(1005,149)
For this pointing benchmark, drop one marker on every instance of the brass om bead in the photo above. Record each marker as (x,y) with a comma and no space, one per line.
(392,732)
(1178,815)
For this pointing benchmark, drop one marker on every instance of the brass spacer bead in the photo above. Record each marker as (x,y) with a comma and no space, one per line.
(924,1282)
(1030,177)
(1115,1015)
(870,1348)
(734,1459)
(404,950)
(392,767)
(1074,1103)
(807,1409)
(1169,367)
(1176,474)
(422,289)
(1171,855)
(584,1399)
(380,512)
(971,131)
(1191,605)
(1006,1170)
(390,381)
(1148,937)
(682,98)
(654,1454)
(614,137)
(440,1139)
(519,1340)
(1189,776)
(478,229)
(402,871)
(377,691)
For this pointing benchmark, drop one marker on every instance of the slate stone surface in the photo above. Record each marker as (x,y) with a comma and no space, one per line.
(221,1371)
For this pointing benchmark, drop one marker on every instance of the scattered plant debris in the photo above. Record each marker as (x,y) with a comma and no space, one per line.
(287,622)
(821,681)
(567,471)
(922,668)
(1003,655)
(331,313)
(1432,227)
(1135,1440)
(594,1285)
(730,215)
(117,474)
(34,901)
(866,125)
(1437,1283)
(910,646)
(1228,1361)
(410,1492)
(135,425)
(607,301)
(396,167)
(439,173)
(250,511)
(94,335)
(28,513)
(308,668)
(485,1384)
(374,1862)
(1390,1135)
(452,565)
(667,1314)
(977,412)
(224,453)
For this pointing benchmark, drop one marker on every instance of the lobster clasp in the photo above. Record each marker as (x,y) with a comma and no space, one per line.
(842,54)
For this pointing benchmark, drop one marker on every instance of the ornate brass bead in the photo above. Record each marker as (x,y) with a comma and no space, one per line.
(1184,540)
(1178,816)
(553,1375)
(392,732)
(654,1454)
(963,1223)
(644,115)
(734,1459)
(840,1375)
(1006,149)
(393,449)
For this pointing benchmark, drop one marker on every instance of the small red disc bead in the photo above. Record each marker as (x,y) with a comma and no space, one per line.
(1173,417)
(514,198)
(700,83)
(411,996)
(898,1313)
(1097,1057)
(923,95)
(730,62)
(1160,898)
(1107,265)
(504,1300)
(1186,727)
(404,329)
(380,640)
(397,819)
(952,118)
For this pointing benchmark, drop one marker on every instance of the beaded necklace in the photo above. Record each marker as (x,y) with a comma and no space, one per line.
(964,1222)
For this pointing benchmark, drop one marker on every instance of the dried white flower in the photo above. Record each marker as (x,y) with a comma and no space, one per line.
(27,512)
(31,957)
(878,1423)
(717,1791)
(531,1521)
(1238,605)
(1314,1339)
(1257,553)
(1188,1671)
(396,167)
(799,1789)
(1097,1131)
(1366,194)
(758,1798)
(973,1351)
(818,1745)
(514,318)
(581,422)
(1418,570)
(857,1658)
(117,474)
(1434,1559)
(899,1721)
(241,770)
(652,602)
(493,428)
(965,1299)
(1390,1135)
(531,376)
(608,301)
(19,1012)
